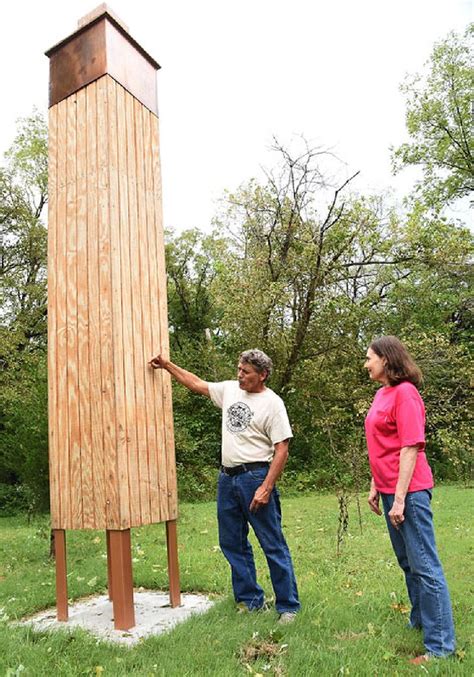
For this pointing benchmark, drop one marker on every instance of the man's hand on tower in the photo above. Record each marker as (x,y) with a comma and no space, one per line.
(186,378)
(158,362)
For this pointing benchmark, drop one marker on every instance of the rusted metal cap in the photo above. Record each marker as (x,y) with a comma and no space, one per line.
(102,45)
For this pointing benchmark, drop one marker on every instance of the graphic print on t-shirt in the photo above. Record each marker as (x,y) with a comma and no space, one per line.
(239,416)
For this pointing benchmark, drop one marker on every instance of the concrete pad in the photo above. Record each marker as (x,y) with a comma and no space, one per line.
(153,616)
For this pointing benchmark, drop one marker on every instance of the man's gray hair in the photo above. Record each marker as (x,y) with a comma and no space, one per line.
(258,359)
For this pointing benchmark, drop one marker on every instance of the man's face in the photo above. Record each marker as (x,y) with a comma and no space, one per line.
(250,379)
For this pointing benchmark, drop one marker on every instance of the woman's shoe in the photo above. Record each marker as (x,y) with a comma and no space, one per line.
(419,660)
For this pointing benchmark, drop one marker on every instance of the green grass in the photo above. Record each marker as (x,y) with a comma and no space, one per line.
(354,605)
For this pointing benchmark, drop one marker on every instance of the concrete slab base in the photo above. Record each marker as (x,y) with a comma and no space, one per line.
(153,616)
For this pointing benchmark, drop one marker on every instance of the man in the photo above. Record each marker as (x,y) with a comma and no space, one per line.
(255,437)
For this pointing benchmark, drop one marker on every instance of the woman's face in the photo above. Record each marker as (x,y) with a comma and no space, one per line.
(375,365)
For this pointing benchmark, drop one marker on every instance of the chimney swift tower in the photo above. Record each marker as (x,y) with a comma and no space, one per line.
(111,442)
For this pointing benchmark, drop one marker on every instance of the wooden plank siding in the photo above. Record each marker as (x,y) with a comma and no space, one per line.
(117,336)
(111,440)
(54,452)
(83,314)
(166,397)
(97,456)
(153,380)
(62,437)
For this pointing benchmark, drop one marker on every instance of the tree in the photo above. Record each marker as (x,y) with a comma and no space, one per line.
(23,236)
(23,398)
(192,264)
(439,121)
(305,255)
(313,272)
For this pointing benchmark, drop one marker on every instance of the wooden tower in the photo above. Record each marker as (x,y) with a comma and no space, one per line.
(111,442)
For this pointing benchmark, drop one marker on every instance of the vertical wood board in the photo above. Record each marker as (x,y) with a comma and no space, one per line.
(112,459)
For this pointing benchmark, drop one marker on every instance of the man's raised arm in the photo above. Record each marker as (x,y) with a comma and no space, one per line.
(186,378)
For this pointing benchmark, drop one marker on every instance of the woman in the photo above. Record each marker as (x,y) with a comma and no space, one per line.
(401,476)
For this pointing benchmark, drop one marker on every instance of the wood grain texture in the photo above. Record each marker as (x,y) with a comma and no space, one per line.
(54,452)
(157,329)
(94,307)
(157,456)
(171,492)
(110,416)
(117,331)
(71,318)
(137,471)
(127,316)
(105,311)
(141,115)
(63,483)
(141,326)
(83,314)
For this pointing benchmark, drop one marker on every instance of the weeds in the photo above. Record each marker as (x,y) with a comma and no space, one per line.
(354,612)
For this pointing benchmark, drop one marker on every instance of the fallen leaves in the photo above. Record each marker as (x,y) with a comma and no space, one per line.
(267,648)
(401,608)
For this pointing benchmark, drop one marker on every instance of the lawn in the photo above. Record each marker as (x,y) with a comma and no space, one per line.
(353,619)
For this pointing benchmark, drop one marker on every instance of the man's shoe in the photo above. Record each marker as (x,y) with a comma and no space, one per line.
(419,660)
(286,617)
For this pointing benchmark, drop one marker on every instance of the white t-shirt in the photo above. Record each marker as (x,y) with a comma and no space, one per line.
(252,423)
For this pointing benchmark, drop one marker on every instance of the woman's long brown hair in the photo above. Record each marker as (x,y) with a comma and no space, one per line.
(400,366)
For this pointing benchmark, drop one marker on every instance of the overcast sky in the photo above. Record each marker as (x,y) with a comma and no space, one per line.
(235,73)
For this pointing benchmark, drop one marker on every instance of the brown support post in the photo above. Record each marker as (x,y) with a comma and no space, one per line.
(173,566)
(121,574)
(109,566)
(61,580)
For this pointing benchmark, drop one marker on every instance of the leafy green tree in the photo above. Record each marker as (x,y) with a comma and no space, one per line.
(23,236)
(23,397)
(193,262)
(302,272)
(311,282)
(439,121)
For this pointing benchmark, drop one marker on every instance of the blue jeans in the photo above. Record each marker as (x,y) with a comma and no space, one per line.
(234,495)
(415,547)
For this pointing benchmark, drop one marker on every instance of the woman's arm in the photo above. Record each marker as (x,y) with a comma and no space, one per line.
(374,499)
(407,466)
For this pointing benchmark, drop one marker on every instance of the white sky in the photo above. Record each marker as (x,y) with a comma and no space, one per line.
(235,73)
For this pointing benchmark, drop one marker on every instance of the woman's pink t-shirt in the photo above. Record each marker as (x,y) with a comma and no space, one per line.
(395,420)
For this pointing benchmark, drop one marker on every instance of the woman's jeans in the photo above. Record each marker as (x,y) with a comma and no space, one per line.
(415,548)
(234,495)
